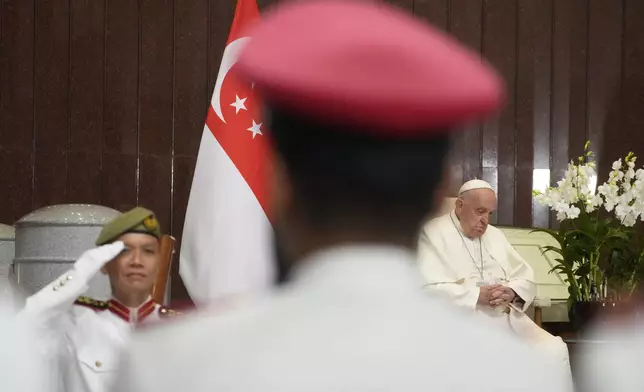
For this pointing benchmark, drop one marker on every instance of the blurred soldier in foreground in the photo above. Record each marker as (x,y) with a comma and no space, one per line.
(361,100)
(611,357)
(464,257)
(20,367)
(81,338)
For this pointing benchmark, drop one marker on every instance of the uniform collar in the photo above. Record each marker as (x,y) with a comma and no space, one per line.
(132,315)
(360,268)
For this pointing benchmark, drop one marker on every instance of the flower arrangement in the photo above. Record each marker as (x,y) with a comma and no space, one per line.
(600,249)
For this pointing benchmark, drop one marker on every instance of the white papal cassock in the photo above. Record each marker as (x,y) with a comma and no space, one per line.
(455,265)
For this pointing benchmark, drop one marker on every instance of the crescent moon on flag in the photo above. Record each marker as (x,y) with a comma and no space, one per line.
(231,54)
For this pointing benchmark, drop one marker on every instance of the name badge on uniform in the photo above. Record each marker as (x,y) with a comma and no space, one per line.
(481,283)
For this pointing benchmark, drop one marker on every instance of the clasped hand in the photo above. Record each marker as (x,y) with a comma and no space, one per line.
(496,295)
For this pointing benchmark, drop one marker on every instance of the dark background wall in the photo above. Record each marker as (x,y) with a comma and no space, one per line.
(103,101)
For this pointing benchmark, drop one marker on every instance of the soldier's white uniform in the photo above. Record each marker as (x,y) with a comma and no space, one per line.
(354,319)
(19,366)
(611,359)
(81,339)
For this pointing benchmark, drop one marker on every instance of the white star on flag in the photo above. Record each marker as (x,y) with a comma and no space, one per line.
(239,104)
(256,129)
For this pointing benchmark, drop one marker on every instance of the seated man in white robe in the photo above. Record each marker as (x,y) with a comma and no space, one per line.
(463,256)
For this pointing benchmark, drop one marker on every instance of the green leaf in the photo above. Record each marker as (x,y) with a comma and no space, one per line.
(554,234)
(551,248)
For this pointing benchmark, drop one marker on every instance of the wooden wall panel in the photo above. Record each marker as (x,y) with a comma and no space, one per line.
(191,70)
(499,134)
(119,174)
(16,108)
(87,91)
(632,115)
(533,93)
(51,101)
(436,12)
(156,97)
(104,101)
(192,96)
(121,108)
(156,77)
(604,79)
(87,76)
(466,24)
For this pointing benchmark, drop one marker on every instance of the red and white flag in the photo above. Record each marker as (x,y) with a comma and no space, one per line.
(226,246)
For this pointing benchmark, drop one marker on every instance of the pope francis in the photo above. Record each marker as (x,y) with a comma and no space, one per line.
(464,257)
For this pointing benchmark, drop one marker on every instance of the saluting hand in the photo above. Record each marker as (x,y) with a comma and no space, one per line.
(501,296)
(93,260)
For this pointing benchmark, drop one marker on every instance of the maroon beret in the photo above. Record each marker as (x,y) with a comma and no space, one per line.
(368,64)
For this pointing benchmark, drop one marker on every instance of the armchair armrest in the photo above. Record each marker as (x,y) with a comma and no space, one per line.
(540,303)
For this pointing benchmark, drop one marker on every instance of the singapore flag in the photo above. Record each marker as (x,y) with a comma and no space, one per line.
(226,245)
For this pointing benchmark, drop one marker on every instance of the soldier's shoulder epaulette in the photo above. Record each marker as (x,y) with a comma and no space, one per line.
(91,303)
(165,312)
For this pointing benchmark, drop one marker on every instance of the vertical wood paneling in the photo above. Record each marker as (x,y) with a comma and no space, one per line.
(17,186)
(578,77)
(220,17)
(407,5)
(16,108)
(156,95)
(604,78)
(525,106)
(190,75)
(499,134)
(183,172)
(156,77)
(191,101)
(105,102)
(533,107)
(16,75)
(86,101)
(633,77)
(121,77)
(154,189)
(542,114)
(435,12)
(87,75)
(466,24)
(561,82)
(84,177)
(118,181)
(50,177)
(51,75)
(51,101)
(121,107)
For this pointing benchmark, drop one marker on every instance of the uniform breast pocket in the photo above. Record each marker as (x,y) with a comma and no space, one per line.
(98,359)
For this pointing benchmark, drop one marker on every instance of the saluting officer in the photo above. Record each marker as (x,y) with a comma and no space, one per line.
(81,338)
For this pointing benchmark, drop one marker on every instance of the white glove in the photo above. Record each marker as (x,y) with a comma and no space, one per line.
(93,260)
